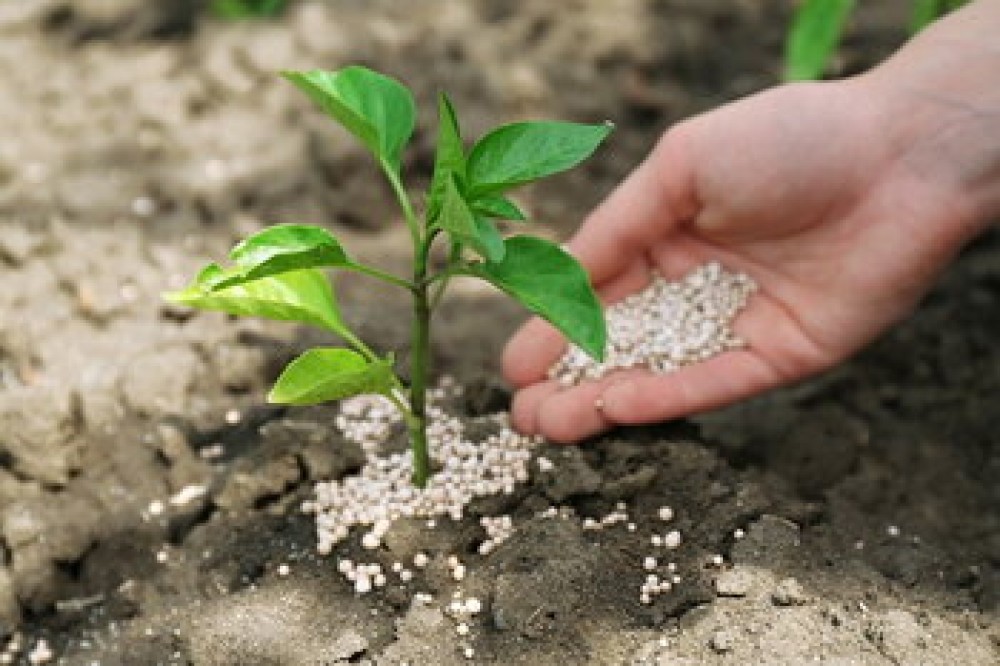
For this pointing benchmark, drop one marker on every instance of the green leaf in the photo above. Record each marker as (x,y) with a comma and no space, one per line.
(210,276)
(515,154)
(450,157)
(926,12)
(304,296)
(242,9)
(813,37)
(550,283)
(463,226)
(375,108)
(498,207)
(283,248)
(490,239)
(330,373)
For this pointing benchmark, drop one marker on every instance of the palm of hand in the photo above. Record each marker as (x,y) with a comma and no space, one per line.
(789,187)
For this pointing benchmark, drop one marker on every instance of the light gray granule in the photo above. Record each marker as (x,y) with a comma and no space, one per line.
(666,326)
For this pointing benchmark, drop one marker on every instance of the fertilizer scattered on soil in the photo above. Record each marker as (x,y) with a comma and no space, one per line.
(666,326)
(382,491)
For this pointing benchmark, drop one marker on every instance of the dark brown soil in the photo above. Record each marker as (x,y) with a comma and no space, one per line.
(141,139)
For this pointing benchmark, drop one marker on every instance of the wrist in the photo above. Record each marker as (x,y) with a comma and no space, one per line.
(938,99)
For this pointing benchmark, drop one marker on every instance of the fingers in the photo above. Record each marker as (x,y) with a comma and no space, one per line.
(524,406)
(561,414)
(531,352)
(655,198)
(714,383)
(633,397)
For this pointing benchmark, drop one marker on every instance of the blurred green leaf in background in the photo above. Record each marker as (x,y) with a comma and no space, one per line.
(814,36)
(928,11)
(246,9)
(817,26)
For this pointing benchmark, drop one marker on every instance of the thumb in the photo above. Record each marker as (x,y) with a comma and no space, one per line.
(656,197)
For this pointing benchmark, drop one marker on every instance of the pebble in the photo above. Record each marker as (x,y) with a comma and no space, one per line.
(734,583)
(722,641)
(143,206)
(212,452)
(187,494)
(789,592)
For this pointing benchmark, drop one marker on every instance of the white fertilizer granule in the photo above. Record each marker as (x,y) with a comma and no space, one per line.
(666,326)
(382,491)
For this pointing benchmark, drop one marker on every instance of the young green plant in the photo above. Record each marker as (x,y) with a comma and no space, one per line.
(278,272)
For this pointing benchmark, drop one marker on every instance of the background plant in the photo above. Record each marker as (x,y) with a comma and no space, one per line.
(818,25)
(243,9)
(277,273)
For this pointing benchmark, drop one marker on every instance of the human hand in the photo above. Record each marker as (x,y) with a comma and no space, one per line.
(808,189)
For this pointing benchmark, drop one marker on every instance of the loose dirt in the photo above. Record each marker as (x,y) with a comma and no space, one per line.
(150,500)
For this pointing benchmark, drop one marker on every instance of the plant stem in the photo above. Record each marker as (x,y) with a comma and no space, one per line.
(454,254)
(420,337)
(419,361)
(420,352)
(404,202)
(377,274)
(359,345)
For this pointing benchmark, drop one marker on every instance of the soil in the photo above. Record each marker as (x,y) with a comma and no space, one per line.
(142,139)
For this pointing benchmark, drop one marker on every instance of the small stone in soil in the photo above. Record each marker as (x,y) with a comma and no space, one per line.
(789,592)
(722,641)
(733,583)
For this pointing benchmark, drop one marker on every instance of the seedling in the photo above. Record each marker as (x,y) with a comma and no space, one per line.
(277,273)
